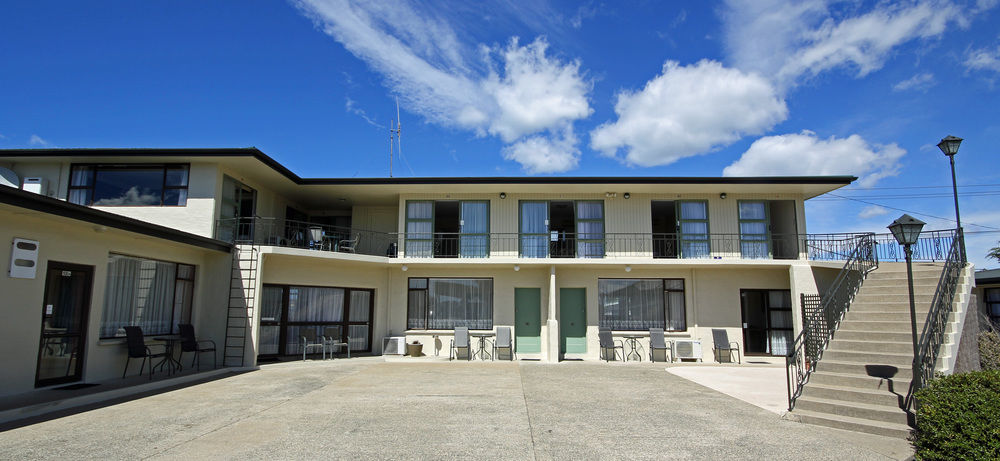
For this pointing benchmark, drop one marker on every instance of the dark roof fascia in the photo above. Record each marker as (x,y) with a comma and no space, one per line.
(43,204)
(273,164)
(992,281)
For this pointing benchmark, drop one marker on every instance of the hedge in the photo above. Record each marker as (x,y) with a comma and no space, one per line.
(958,417)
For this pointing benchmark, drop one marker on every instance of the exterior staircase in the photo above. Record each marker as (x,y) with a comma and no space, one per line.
(864,376)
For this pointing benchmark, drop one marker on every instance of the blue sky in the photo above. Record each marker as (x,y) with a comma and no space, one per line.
(495,88)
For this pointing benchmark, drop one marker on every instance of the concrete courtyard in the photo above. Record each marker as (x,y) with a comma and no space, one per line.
(367,408)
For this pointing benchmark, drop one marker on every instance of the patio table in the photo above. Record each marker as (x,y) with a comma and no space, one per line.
(168,345)
(482,350)
(633,342)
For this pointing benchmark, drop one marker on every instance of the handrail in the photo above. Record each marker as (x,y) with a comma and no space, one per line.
(822,321)
(936,324)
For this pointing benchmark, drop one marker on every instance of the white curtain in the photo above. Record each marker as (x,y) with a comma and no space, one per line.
(139,292)
(534,220)
(419,234)
(694,230)
(315,304)
(475,219)
(590,226)
(630,304)
(780,336)
(460,303)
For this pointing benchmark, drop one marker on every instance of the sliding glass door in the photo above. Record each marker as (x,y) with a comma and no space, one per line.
(534,229)
(286,311)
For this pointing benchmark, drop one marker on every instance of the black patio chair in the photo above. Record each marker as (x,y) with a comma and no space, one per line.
(723,346)
(504,342)
(189,343)
(657,343)
(608,343)
(137,348)
(460,342)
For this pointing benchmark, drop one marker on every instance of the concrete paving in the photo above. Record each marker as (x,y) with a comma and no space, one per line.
(763,386)
(367,408)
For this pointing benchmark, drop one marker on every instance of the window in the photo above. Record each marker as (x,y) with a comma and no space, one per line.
(128,185)
(991,296)
(590,229)
(448,229)
(693,219)
(561,229)
(155,295)
(288,310)
(641,304)
(753,230)
(443,304)
(767,321)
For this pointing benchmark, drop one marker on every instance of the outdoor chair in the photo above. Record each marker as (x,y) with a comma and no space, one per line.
(349,246)
(608,343)
(331,339)
(724,347)
(657,343)
(316,238)
(459,343)
(191,344)
(137,348)
(504,342)
(309,341)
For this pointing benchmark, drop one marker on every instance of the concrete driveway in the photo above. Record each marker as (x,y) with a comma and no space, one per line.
(367,408)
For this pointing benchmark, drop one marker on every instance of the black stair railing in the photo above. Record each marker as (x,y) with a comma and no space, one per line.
(936,325)
(822,314)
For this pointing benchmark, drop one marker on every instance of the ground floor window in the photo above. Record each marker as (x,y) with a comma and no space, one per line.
(641,304)
(287,310)
(767,321)
(446,303)
(151,294)
(991,296)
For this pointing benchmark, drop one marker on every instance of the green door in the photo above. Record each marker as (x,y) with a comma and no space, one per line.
(528,320)
(573,320)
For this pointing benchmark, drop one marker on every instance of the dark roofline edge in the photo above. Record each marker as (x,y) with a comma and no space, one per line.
(43,204)
(267,160)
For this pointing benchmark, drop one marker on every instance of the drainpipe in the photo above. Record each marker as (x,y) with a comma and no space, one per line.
(552,324)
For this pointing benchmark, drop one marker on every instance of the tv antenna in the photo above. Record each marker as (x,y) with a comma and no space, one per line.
(394,136)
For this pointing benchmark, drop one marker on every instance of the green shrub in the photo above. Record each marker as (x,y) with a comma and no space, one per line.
(958,417)
(989,350)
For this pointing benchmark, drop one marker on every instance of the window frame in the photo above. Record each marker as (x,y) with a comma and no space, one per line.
(548,232)
(767,315)
(406,229)
(766,220)
(95,168)
(664,292)
(987,305)
(683,237)
(427,303)
(345,323)
(173,298)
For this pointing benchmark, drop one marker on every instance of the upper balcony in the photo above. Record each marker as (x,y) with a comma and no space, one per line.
(560,245)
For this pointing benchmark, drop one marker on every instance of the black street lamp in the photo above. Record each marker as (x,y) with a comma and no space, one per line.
(906,230)
(949,146)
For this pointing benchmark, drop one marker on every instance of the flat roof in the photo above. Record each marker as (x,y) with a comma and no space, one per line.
(48,205)
(326,192)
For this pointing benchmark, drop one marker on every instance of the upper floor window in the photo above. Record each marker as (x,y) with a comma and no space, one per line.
(561,229)
(129,185)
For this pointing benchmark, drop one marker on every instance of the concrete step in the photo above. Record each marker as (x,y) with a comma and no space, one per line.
(898,327)
(871,346)
(900,283)
(869,358)
(903,306)
(892,266)
(874,296)
(858,381)
(856,335)
(852,394)
(851,424)
(870,369)
(879,316)
(879,413)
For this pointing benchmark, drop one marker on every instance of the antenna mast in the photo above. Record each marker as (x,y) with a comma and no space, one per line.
(394,133)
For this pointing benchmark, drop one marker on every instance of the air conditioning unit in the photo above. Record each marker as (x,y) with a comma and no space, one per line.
(687,349)
(394,345)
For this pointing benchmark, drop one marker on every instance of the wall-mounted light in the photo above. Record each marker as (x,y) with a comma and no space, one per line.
(516,267)
(627,196)
(404,268)
(628,268)
(503,195)
(722,195)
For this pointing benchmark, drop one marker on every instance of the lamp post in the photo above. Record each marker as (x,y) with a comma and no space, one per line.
(949,147)
(906,230)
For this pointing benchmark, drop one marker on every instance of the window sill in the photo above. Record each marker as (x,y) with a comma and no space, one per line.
(110,341)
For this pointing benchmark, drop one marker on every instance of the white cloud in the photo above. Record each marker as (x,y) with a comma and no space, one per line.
(806,154)
(920,82)
(511,92)
(541,154)
(686,111)
(983,59)
(36,140)
(872,211)
(790,40)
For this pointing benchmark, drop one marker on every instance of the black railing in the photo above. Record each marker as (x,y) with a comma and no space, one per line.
(932,246)
(822,316)
(936,325)
(300,234)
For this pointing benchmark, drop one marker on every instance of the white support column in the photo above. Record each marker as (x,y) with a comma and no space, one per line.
(552,324)
(800,280)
